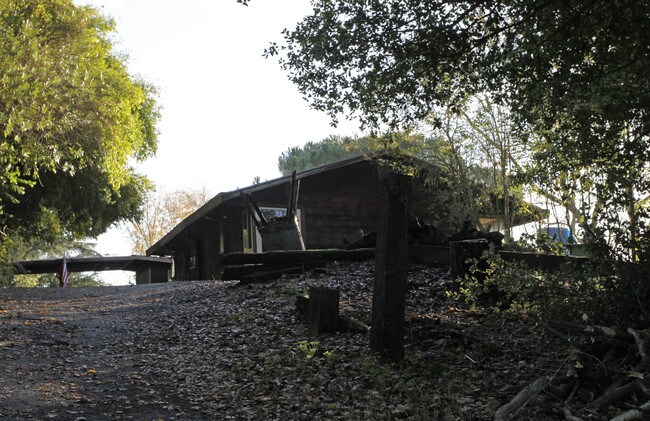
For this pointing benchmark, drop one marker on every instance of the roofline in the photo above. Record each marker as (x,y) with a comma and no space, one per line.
(94,263)
(223,197)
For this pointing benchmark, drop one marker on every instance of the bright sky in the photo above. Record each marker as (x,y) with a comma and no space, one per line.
(227,112)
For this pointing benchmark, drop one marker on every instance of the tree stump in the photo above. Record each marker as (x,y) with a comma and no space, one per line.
(391,267)
(323,310)
(461,251)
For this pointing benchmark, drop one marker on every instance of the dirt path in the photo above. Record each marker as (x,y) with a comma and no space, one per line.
(67,354)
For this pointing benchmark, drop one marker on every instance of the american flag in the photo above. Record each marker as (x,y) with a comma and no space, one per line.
(63,275)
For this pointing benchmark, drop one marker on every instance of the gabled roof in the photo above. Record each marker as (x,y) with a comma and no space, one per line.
(222,198)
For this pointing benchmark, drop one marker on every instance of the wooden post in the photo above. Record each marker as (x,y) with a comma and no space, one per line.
(391,267)
(323,310)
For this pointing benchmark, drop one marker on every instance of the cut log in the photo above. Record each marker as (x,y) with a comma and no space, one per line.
(610,332)
(269,275)
(344,323)
(323,310)
(522,398)
(297,256)
(461,251)
(235,273)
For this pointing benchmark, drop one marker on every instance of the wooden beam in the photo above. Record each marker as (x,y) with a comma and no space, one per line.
(391,267)
(297,256)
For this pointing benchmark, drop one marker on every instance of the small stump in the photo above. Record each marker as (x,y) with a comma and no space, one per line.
(323,310)
(461,251)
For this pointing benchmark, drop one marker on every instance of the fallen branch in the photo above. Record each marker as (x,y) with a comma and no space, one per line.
(616,395)
(610,332)
(522,398)
(634,414)
(551,329)
(568,416)
(640,343)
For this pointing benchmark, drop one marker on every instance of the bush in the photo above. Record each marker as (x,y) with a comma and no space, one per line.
(606,293)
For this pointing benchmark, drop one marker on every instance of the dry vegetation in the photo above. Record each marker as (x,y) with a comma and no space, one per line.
(215,350)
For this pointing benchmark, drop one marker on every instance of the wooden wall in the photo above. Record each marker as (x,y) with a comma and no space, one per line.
(337,203)
(332,204)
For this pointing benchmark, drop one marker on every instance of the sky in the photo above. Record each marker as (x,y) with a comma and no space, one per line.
(227,112)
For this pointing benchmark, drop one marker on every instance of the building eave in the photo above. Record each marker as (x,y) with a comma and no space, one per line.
(222,198)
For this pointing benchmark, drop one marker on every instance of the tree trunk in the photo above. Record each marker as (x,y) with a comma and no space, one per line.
(389,292)
(323,310)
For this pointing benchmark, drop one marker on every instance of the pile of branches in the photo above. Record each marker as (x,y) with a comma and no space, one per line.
(606,369)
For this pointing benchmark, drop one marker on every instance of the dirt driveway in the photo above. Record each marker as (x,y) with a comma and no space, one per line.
(68,354)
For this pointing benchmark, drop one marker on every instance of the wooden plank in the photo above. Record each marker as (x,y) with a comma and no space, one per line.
(237,272)
(297,256)
(544,262)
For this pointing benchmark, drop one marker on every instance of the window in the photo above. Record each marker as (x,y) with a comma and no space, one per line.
(270,214)
(222,243)
(191,256)
(247,233)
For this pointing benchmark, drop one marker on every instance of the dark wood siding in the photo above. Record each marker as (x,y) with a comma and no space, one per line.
(338,203)
(332,204)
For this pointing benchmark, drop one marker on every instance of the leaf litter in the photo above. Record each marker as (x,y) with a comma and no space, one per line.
(208,350)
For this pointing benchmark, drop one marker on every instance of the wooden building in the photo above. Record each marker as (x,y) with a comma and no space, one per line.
(334,201)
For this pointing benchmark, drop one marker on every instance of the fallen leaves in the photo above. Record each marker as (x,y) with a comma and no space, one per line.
(213,350)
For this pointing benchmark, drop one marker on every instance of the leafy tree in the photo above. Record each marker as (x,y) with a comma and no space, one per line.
(573,73)
(337,148)
(71,120)
(392,61)
(161,212)
(18,246)
(314,154)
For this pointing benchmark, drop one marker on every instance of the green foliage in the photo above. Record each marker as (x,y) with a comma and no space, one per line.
(602,293)
(71,120)
(308,349)
(573,74)
(314,154)
(19,245)
(393,61)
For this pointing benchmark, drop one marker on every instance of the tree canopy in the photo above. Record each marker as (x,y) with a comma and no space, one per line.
(72,120)
(393,61)
(161,212)
(573,75)
(314,154)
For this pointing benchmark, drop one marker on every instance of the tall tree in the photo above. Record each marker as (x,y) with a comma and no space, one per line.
(313,154)
(161,212)
(574,73)
(71,120)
